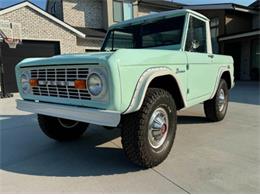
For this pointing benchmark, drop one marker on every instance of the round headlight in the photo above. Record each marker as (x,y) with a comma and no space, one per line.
(95,84)
(25,77)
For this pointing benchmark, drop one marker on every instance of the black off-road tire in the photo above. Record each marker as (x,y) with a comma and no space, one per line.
(53,128)
(109,128)
(211,107)
(135,130)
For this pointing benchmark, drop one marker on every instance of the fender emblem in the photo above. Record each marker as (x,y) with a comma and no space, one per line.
(179,71)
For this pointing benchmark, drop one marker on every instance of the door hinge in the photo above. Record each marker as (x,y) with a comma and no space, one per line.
(188,91)
(187,66)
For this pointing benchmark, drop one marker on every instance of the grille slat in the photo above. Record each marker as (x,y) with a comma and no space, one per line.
(58,82)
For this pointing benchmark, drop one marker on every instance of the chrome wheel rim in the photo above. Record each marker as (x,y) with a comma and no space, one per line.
(158,127)
(67,123)
(221,100)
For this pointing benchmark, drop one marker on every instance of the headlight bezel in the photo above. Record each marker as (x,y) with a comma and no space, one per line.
(102,74)
(25,77)
(95,90)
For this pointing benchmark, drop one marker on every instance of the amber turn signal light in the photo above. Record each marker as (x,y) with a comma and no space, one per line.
(80,84)
(34,82)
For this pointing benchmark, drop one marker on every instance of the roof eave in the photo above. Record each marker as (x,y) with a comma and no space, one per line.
(224,6)
(39,10)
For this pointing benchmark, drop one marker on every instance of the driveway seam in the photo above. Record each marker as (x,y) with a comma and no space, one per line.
(172,182)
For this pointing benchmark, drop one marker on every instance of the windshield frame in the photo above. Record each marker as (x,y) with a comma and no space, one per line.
(111,30)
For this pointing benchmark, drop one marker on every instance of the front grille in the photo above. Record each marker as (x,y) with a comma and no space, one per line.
(59,82)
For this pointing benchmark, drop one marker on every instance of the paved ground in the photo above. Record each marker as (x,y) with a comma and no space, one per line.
(206,158)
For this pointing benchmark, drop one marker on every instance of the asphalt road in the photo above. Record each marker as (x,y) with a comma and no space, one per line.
(206,157)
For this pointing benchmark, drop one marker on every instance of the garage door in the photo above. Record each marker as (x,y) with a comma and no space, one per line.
(27,49)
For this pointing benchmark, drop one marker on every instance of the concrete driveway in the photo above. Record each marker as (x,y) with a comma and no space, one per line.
(207,157)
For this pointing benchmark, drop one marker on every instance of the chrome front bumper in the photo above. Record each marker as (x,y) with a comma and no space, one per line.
(87,115)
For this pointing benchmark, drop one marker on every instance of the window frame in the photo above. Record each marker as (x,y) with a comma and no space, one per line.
(111,31)
(208,36)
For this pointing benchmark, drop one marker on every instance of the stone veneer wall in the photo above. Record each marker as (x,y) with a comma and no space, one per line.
(83,13)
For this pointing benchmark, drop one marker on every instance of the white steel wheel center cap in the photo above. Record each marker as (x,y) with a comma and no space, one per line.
(158,127)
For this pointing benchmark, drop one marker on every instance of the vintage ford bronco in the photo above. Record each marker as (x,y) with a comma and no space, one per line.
(148,68)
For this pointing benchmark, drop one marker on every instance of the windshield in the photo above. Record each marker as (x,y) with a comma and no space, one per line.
(160,33)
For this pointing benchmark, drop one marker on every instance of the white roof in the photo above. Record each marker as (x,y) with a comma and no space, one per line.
(159,15)
(39,10)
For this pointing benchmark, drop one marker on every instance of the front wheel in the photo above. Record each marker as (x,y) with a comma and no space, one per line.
(148,135)
(61,129)
(216,108)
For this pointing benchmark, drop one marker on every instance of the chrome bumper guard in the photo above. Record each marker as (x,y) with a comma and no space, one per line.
(87,115)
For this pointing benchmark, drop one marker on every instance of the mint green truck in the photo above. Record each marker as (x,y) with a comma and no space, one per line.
(148,68)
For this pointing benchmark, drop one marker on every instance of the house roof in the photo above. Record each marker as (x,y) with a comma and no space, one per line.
(255,5)
(255,32)
(161,3)
(91,32)
(225,6)
(44,13)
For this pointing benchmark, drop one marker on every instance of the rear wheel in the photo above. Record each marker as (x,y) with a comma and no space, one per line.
(148,135)
(216,108)
(61,129)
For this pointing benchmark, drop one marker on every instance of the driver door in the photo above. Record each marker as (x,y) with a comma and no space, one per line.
(199,61)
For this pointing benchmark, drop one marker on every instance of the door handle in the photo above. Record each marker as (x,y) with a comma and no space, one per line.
(211,56)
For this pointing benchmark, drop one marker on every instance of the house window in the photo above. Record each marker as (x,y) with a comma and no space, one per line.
(214,29)
(122,10)
(53,9)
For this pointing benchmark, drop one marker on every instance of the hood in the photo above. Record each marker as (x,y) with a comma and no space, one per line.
(67,59)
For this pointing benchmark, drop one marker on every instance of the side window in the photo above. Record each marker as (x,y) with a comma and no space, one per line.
(196,38)
(119,40)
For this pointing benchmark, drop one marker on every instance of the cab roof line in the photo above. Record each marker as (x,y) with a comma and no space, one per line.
(158,16)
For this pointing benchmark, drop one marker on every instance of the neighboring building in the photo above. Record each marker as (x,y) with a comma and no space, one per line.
(43,35)
(235,31)
(38,25)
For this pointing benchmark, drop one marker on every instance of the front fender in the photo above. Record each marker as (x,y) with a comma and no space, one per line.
(143,84)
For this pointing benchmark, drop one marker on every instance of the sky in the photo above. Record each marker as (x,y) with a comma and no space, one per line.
(42,3)
(6,3)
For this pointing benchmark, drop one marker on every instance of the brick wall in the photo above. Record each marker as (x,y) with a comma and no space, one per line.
(94,44)
(35,26)
(83,13)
